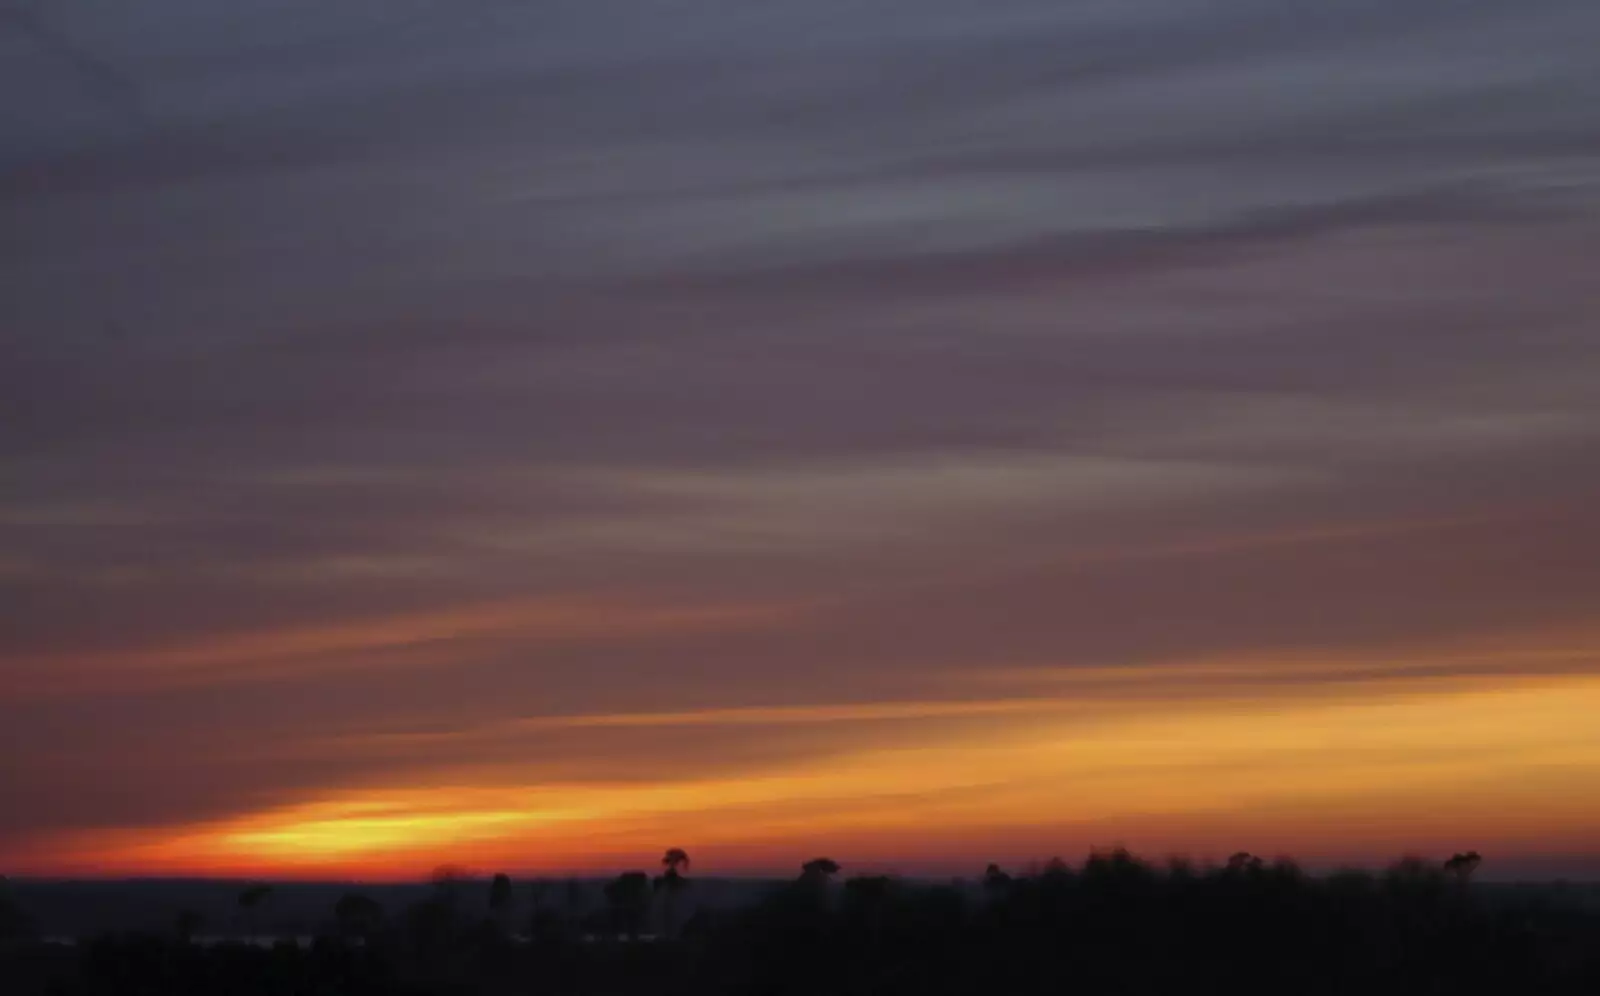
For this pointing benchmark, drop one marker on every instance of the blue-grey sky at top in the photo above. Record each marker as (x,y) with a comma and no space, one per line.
(983,332)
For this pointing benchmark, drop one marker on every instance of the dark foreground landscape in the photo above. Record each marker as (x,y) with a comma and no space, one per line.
(1115,924)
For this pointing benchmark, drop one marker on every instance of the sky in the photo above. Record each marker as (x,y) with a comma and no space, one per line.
(529,436)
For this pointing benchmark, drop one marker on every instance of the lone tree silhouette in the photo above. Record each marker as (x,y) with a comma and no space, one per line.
(1463,865)
(676,858)
(819,870)
(251,900)
(501,899)
(995,881)
(187,924)
(669,883)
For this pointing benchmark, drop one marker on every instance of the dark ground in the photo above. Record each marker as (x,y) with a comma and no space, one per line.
(1112,925)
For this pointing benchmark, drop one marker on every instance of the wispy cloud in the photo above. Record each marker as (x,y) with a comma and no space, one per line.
(816,398)
(324,649)
(1466,746)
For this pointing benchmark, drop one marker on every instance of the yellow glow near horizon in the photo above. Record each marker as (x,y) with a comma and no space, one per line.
(1463,749)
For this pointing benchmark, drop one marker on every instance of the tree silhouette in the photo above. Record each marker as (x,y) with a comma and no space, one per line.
(1463,865)
(995,881)
(1056,870)
(669,883)
(628,899)
(810,892)
(819,870)
(250,902)
(1110,924)
(501,899)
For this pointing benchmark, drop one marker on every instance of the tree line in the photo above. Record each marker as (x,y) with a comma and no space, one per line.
(1110,924)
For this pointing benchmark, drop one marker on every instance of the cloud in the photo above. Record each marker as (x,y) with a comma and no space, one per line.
(321,650)
(1124,764)
(640,381)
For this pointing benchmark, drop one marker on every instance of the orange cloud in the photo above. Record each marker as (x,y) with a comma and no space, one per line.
(1502,758)
(323,648)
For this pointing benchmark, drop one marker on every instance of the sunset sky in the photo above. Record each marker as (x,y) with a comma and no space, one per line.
(527,436)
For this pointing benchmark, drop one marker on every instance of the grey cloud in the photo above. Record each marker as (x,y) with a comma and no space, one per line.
(383,306)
